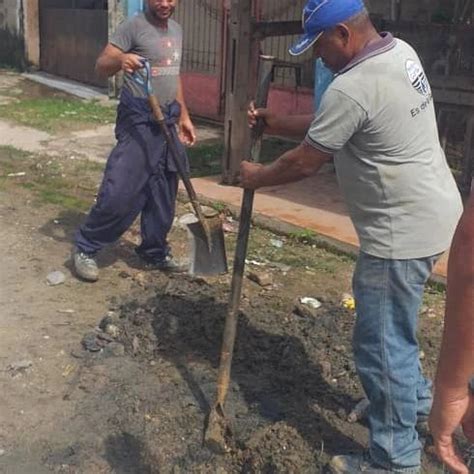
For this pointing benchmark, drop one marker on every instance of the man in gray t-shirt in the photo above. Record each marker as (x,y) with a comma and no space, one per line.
(140,178)
(377,121)
(161,46)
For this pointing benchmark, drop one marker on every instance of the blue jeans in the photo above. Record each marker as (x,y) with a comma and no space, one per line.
(388,296)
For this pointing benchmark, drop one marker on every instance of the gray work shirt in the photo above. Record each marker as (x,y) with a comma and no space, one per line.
(161,46)
(378,120)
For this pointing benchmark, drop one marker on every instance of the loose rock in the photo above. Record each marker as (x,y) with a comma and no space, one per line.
(56,278)
(326,369)
(276,243)
(112,330)
(92,343)
(114,349)
(187,219)
(359,412)
(18,367)
(304,311)
(262,279)
(135,344)
(311,302)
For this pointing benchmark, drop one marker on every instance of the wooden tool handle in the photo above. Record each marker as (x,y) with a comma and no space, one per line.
(159,117)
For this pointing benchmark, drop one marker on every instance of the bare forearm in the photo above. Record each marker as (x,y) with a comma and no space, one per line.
(456,365)
(292,166)
(180,99)
(290,125)
(107,66)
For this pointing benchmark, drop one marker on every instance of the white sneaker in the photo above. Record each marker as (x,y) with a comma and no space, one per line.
(85,266)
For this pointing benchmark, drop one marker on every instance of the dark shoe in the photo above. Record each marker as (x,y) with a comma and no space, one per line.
(358,463)
(170,265)
(85,265)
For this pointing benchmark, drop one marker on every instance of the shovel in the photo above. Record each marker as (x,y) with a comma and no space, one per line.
(218,433)
(208,256)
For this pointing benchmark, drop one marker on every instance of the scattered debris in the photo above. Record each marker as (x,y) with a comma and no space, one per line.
(2,452)
(110,318)
(262,279)
(92,343)
(429,312)
(255,262)
(348,301)
(276,243)
(105,337)
(281,266)
(66,311)
(68,370)
(112,330)
(135,345)
(140,278)
(114,349)
(311,302)
(229,225)
(56,278)
(209,211)
(359,412)
(16,175)
(304,311)
(79,354)
(17,368)
(422,355)
(326,369)
(187,219)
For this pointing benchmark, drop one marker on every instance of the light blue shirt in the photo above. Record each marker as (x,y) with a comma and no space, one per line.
(323,78)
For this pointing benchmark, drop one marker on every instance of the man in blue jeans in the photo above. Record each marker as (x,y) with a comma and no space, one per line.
(377,121)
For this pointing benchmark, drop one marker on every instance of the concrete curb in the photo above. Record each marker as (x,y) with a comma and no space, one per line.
(285,229)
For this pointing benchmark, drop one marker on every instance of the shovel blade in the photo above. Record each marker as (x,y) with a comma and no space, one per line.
(218,435)
(208,256)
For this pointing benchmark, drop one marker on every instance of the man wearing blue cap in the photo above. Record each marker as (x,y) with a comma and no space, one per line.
(377,121)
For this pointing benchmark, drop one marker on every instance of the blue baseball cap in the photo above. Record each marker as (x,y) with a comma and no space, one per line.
(322,15)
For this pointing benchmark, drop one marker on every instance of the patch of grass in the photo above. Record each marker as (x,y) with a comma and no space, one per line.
(205,159)
(64,200)
(305,236)
(10,153)
(273,148)
(52,113)
(219,206)
(51,181)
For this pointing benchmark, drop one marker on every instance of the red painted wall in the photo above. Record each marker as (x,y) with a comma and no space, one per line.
(202,97)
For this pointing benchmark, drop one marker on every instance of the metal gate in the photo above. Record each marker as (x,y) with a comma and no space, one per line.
(72,34)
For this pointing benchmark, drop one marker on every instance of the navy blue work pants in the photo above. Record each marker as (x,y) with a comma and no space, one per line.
(137,179)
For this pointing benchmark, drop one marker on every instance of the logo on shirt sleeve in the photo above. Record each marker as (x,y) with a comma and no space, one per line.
(417,77)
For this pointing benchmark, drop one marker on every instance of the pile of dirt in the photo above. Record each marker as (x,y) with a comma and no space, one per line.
(293,381)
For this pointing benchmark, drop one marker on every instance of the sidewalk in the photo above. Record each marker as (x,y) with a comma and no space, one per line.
(314,203)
